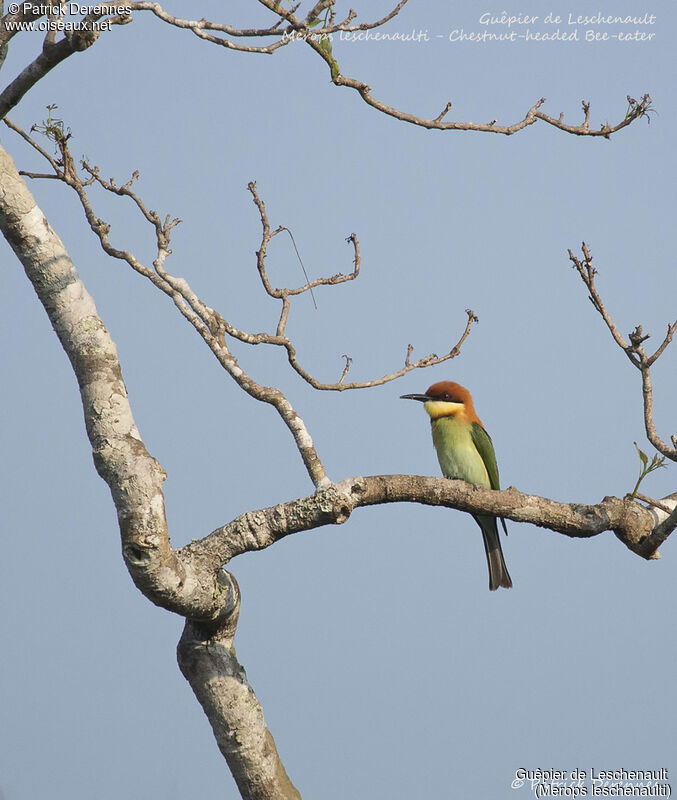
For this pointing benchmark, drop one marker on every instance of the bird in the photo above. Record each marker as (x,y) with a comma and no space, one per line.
(465,452)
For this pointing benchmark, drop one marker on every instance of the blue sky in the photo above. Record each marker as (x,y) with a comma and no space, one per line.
(384,666)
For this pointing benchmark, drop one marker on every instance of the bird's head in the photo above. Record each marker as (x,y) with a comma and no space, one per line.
(446,399)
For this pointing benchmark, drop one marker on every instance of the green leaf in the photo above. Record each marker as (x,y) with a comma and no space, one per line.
(642,456)
(646,467)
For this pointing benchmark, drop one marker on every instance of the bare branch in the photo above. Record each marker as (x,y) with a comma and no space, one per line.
(318,39)
(349,361)
(446,110)
(37,175)
(587,273)
(427,361)
(206,25)
(51,55)
(284,294)
(211,326)
(641,109)
(634,349)
(533,114)
(649,425)
(83,35)
(668,338)
(317,9)
(269,234)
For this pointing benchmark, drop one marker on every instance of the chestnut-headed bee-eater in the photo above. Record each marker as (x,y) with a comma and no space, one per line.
(465,452)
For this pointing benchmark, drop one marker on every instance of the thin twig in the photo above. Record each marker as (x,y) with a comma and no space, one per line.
(654,503)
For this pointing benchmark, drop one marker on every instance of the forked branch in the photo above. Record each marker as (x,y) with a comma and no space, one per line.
(284,296)
(633,349)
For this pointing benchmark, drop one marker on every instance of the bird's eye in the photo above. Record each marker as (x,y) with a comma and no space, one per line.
(445,396)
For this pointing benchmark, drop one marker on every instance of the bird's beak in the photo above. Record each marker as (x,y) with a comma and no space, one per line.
(422,397)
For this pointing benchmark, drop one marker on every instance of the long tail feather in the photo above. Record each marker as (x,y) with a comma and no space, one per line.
(498,572)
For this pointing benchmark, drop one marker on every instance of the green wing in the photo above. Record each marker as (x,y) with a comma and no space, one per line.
(485,448)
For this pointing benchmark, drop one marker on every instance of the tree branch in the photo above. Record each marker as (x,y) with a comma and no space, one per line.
(256,530)
(284,294)
(134,477)
(53,52)
(634,349)
(50,57)
(318,39)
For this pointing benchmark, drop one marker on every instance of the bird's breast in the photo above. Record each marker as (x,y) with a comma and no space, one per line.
(457,453)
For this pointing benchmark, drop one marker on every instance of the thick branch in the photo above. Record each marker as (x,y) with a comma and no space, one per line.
(134,477)
(53,52)
(256,530)
(50,57)
(208,661)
